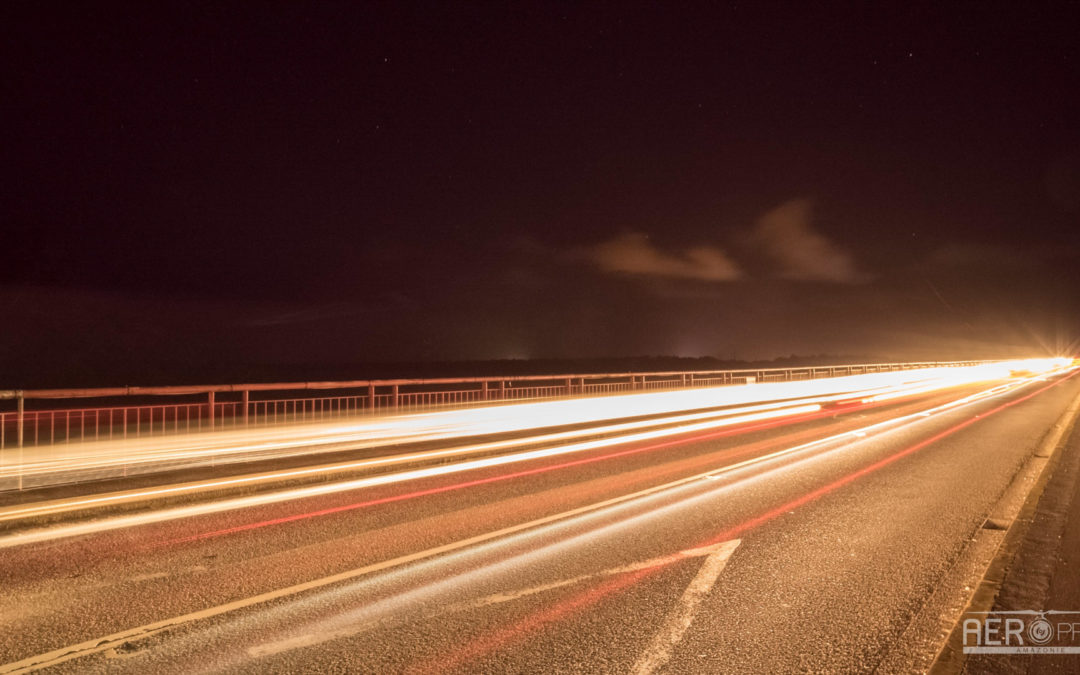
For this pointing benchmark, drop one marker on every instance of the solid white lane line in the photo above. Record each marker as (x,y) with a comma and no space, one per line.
(679,619)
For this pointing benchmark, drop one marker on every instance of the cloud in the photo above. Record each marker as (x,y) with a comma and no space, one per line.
(786,237)
(633,253)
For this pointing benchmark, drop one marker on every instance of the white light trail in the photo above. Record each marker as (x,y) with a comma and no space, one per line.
(161,515)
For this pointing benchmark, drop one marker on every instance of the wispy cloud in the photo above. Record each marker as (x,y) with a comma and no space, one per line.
(785,235)
(782,243)
(633,253)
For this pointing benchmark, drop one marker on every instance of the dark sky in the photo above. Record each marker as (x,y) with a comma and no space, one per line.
(316,182)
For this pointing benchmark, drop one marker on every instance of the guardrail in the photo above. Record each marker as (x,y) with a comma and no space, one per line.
(208,407)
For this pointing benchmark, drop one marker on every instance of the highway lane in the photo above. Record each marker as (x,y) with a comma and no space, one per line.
(871,546)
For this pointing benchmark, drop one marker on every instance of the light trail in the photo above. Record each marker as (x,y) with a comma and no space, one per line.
(54,507)
(521,629)
(359,621)
(117,522)
(45,534)
(47,465)
(454,487)
(73,504)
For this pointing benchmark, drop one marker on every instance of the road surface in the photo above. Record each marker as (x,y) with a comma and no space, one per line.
(817,541)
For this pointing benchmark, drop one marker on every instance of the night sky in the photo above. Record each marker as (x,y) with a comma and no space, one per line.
(340,183)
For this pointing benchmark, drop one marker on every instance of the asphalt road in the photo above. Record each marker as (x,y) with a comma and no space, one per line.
(807,544)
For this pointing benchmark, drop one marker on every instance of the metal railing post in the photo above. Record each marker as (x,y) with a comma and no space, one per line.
(21,418)
(245,398)
(371,395)
(397,396)
(484,390)
(210,407)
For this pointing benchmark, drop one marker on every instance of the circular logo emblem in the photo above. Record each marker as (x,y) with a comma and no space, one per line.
(1040,631)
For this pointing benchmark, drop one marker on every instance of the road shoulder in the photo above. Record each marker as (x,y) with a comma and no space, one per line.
(1035,567)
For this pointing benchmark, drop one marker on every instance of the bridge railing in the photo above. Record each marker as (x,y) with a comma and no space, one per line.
(50,416)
